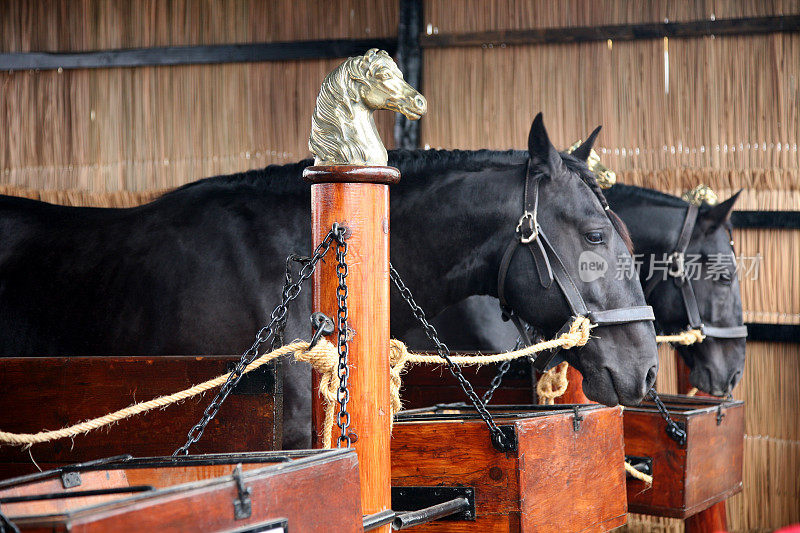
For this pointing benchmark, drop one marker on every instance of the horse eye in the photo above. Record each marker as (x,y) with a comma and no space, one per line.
(725,278)
(594,237)
(385,75)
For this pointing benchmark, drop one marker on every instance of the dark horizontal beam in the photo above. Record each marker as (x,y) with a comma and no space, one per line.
(757,331)
(622,32)
(193,55)
(766,219)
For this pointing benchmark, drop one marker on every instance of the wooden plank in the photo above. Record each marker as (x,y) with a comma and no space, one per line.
(621,32)
(581,467)
(193,55)
(54,392)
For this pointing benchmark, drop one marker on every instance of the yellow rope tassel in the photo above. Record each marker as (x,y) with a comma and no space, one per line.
(552,384)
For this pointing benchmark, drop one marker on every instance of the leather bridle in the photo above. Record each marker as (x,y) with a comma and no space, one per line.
(529,234)
(677,271)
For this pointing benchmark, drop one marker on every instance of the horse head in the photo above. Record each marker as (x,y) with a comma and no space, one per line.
(381,86)
(342,127)
(619,362)
(716,363)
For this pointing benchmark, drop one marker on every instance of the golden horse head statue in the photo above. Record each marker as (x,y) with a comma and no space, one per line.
(343,130)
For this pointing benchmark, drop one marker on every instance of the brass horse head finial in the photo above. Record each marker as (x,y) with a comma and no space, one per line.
(701,194)
(343,130)
(605,176)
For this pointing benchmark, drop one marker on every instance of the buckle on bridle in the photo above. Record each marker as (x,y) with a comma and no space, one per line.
(533,227)
(676,265)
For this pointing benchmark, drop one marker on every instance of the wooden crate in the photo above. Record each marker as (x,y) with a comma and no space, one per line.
(293,491)
(54,392)
(566,474)
(690,478)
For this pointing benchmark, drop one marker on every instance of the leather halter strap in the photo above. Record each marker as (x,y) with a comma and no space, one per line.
(550,267)
(677,271)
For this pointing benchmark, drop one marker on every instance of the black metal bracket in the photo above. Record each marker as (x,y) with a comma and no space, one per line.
(677,432)
(720,415)
(510,444)
(577,418)
(406,499)
(642,464)
(70,479)
(242,507)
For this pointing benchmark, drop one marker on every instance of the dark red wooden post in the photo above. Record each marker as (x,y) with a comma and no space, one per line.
(358,198)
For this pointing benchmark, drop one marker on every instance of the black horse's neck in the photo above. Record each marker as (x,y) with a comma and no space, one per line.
(654,231)
(452,214)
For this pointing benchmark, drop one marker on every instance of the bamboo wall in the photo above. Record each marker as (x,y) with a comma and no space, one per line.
(728,115)
(156,127)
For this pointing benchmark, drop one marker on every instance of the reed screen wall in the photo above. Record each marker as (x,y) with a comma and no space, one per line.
(726,112)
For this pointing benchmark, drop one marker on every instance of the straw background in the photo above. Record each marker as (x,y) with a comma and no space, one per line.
(730,118)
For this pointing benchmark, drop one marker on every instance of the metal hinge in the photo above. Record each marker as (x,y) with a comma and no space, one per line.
(241,506)
(577,418)
(720,415)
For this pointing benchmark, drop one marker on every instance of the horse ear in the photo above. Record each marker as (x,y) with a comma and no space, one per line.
(540,148)
(582,152)
(719,214)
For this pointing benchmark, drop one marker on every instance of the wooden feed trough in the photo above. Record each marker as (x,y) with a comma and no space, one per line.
(566,474)
(54,392)
(686,478)
(275,492)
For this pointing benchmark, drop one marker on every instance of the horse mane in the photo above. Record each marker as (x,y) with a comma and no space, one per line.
(417,166)
(641,193)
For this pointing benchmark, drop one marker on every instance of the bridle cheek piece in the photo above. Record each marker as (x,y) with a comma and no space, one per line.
(677,271)
(529,234)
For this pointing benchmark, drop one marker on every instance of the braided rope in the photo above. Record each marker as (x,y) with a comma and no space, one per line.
(641,476)
(324,359)
(552,384)
(685,338)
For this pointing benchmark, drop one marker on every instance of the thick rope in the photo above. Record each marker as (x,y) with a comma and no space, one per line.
(641,476)
(685,338)
(324,359)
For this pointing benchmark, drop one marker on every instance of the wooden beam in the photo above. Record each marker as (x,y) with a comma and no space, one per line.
(193,55)
(766,219)
(621,32)
(409,59)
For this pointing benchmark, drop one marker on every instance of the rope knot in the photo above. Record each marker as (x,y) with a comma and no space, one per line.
(578,334)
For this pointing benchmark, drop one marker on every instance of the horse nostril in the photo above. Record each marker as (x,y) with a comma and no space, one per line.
(420,102)
(650,380)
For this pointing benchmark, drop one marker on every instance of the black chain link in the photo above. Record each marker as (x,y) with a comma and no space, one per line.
(497,380)
(444,352)
(6,525)
(674,430)
(270,331)
(343,394)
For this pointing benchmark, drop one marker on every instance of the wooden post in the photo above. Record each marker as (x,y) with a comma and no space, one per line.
(714,518)
(358,198)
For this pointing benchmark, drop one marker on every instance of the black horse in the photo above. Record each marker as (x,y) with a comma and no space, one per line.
(655,221)
(198,270)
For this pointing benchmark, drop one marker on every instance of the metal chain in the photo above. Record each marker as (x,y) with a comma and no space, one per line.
(270,331)
(343,394)
(674,430)
(444,352)
(6,525)
(497,380)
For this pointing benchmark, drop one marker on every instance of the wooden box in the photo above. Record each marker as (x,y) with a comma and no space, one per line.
(566,474)
(690,478)
(303,491)
(54,392)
